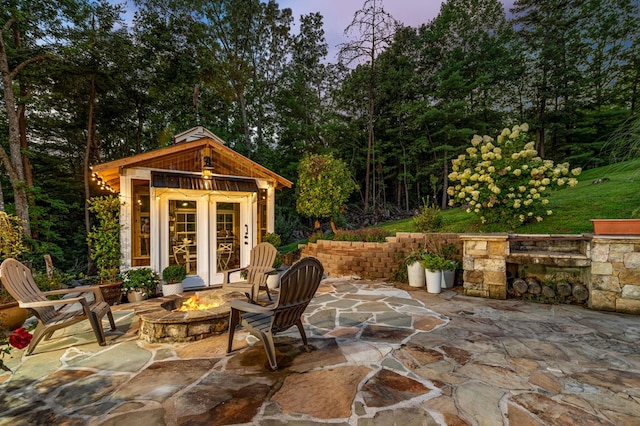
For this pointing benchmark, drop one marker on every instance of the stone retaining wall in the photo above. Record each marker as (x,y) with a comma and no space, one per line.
(610,266)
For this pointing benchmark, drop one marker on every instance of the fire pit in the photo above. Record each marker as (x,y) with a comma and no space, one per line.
(204,314)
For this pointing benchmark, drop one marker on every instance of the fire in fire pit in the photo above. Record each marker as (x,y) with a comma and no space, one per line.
(170,319)
(193,304)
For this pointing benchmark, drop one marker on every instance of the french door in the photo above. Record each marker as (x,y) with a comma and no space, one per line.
(207,234)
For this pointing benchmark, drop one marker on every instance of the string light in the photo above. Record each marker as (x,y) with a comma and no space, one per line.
(104,186)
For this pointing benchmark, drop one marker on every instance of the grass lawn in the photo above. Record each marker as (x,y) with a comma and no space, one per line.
(615,198)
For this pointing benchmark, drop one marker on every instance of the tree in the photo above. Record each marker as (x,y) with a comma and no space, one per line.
(26,29)
(375,29)
(324,185)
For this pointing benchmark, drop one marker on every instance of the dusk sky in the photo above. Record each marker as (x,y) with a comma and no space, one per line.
(338,14)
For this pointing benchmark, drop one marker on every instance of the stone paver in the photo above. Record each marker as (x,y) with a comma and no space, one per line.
(381,355)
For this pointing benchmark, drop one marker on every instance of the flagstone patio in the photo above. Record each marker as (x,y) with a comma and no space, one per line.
(382,355)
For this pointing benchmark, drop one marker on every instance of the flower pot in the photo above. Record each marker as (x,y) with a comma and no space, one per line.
(12,316)
(111,292)
(273,281)
(616,226)
(416,274)
(173,288)
(448,279)
(434,281)
(135,296)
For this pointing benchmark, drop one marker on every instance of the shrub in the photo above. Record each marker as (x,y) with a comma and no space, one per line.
(272,238)
(428,220)
(174,274)
(369,235)
(143,279)
(11,242)
(57,280)
(507,182)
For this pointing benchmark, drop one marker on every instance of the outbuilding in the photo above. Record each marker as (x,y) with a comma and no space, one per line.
(196,202)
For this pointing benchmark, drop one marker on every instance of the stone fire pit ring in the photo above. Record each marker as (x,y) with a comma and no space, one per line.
(158,324)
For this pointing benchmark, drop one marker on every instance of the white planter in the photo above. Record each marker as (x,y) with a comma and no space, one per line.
(415,271)
(273,281)
(169,289)
(448,279)
(434,279)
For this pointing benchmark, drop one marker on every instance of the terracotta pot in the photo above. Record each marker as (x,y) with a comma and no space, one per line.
(616,226)
(12,316)
(135,296)
(112,292)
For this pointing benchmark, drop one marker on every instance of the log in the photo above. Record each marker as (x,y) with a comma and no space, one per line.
(580,292)
(548,292)
(564,289)
(534,286)
(520,286)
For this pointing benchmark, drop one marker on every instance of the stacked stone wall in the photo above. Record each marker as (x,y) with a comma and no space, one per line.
(615,274)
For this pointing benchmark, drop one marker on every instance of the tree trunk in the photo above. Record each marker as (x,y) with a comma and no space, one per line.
(86,168)
(445,182)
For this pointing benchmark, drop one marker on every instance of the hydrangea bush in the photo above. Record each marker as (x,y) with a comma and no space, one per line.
(505,181)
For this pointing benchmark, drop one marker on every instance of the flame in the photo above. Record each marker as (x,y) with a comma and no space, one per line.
(192,304)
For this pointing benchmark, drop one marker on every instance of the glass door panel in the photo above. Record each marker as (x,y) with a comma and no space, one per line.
(227,236)
(183,235)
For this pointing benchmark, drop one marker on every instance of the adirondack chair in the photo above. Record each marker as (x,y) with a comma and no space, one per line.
(18,281)
(297,287)
(261,261)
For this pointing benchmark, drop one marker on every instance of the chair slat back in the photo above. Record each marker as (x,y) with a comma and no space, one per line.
(18,281)
(261,260)
(298,285)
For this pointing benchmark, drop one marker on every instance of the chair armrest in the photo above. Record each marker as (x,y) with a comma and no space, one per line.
(79,289)
(42,303)
(226,274)
(97,293)
(243,306)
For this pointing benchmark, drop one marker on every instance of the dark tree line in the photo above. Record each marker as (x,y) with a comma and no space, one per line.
(82,86)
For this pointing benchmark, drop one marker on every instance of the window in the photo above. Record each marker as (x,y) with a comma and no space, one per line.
(141,227)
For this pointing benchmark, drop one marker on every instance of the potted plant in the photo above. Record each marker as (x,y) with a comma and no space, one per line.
(173,275)
(138,284)
(449,273)
(449,252)
(11,246)
(415,271)
(104,245)
(433,265)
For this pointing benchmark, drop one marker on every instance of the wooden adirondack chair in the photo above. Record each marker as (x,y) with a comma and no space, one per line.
(18,281)
(297,287)
(261,261)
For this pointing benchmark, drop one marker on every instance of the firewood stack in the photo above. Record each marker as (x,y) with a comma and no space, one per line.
(530,288)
